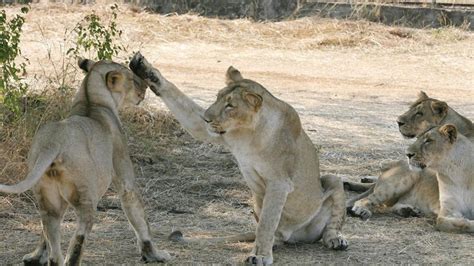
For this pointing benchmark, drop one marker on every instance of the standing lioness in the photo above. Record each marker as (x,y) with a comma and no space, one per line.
(73,162)
(277,159)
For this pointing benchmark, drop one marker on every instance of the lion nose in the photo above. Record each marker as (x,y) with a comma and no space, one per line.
(410,155)
(400,123)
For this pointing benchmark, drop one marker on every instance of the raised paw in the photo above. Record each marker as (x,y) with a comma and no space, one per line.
(140,66)
(259,260)
(361,212)
(337,243)
(151,254)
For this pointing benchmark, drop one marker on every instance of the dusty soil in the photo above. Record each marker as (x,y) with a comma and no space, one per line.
(347,80)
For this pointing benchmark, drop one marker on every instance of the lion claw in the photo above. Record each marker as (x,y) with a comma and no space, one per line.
(259,260)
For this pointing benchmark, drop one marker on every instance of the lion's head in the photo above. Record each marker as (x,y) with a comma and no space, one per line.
(423,114)
(236,105)
(431,147)
(124,86)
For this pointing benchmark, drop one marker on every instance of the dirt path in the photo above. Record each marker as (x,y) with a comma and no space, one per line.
(348,97)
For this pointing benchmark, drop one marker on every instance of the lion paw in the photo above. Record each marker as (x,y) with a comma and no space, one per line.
(259,260)
(361,212)
(151,254)
(409,212)
(36,259)
(337,243)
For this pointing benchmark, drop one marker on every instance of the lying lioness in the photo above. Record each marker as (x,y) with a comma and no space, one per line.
(410,193)
(451,155)
(277,159)
(73,162)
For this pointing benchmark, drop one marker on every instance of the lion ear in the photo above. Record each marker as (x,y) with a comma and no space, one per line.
(115,80)
(232,75)
(439,108)
(422,95)
(85,64)
(449,131)
(253,99)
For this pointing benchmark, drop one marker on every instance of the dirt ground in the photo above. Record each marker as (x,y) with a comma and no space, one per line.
(347,80)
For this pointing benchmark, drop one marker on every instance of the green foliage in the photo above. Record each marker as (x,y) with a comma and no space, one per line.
(12,88)
(94,36)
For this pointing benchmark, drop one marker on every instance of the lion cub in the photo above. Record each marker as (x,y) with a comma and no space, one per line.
(73,162)
(451,155)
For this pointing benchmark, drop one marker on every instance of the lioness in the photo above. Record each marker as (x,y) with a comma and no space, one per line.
(73,162)
(277,159)
(411,193)
(451,155)
(427,112)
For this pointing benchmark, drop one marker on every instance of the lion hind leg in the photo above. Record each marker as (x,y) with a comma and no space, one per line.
(52,208)
(332,236)
(85,215)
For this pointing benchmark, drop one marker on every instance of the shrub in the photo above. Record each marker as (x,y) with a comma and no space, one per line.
(93,35)
(12,87)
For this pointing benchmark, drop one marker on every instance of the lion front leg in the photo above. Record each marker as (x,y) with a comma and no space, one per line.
(332,236)
(133,207)
(276,193)
(185,110)
(454,224)
(451,220)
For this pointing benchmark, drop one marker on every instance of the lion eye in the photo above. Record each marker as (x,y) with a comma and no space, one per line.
(419,114)
(229,106)
(427,141)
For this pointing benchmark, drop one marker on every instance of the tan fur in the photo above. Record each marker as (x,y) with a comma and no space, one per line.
(408,192)
(280,164)
(427,112)
(405,192)
(451,155)
(73,162)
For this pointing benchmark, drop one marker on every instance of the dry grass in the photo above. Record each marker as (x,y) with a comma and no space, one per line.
(348,80)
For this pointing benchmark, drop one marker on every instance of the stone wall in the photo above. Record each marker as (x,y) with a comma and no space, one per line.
(414,16)
(257,9)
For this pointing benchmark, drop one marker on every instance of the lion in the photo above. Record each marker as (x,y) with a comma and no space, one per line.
(409,193)
(451,155)
(427,112)
(406,193)
(73,162)
(278,161)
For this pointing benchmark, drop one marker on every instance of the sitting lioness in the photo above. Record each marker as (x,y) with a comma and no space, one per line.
(277,159)
(451,155)
(73,162)
(411,193)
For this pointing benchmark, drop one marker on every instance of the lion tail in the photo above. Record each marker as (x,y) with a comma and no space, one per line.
(177,236)
(351,202)
(43,162)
